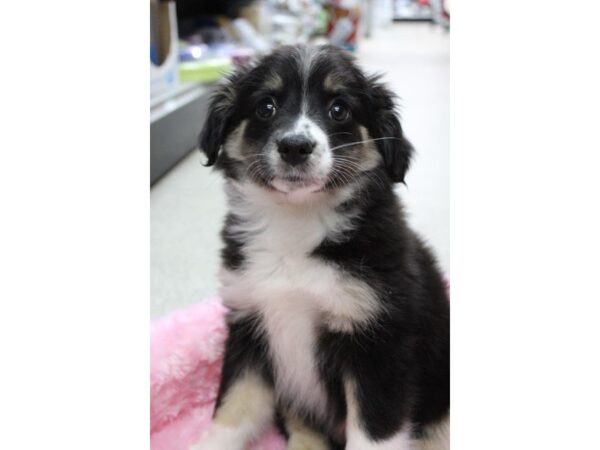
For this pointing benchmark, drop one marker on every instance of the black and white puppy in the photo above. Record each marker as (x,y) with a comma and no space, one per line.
(339,321)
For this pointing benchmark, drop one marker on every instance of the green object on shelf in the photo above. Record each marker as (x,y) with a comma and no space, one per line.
(207,71)
(322,22)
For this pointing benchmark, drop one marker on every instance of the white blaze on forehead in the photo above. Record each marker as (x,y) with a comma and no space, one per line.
(307,59)
(308,56)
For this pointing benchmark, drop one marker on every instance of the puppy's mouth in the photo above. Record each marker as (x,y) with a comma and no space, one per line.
(297,186)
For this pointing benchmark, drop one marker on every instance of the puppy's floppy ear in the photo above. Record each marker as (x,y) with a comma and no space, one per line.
(220,111)
(394,148)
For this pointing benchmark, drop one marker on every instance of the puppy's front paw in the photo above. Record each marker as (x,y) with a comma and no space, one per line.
(218,437)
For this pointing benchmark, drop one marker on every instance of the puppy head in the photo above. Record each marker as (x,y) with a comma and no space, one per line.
(302,121)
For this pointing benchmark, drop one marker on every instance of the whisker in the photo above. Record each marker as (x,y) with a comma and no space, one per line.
(363,142)
(350,168)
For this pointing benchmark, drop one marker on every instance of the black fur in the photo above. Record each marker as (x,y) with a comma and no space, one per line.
(396,152)
(401,362)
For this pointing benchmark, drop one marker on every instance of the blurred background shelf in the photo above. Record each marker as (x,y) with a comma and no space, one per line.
(176,117)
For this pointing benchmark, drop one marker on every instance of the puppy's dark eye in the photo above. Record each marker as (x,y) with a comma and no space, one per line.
(266,108)
(339,111)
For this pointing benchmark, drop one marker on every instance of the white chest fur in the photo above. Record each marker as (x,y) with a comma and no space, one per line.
(294,292)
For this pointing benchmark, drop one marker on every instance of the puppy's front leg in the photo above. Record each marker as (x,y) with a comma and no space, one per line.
(244,411)
(245,404)
(366,410)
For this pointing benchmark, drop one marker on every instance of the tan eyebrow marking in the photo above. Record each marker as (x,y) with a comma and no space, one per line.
(273,82)
(332,83)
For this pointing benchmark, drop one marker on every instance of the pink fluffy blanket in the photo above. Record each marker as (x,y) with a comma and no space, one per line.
(186,354)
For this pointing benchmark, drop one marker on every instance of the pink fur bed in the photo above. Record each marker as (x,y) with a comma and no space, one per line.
(186,353)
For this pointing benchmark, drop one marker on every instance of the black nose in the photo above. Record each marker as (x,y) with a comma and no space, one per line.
(295,149)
